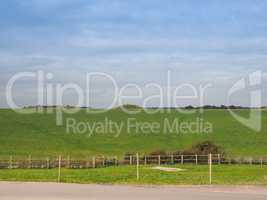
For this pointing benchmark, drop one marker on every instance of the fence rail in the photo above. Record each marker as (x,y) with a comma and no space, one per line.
(101,161)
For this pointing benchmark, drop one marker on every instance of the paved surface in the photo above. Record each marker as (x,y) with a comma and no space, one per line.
(52,191)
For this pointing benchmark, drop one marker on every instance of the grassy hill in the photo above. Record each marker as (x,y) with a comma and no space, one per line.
(38,135)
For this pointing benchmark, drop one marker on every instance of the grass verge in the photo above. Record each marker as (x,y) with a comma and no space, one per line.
(194,175)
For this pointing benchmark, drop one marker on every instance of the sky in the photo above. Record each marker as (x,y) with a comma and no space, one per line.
(136,42)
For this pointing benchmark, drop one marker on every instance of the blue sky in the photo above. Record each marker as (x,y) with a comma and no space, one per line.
(199,41)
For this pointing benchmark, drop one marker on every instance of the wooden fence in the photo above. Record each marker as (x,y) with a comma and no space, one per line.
(101,161)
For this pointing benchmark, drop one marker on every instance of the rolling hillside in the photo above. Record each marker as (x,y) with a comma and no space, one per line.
(38,135)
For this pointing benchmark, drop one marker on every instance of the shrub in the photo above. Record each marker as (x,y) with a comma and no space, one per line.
(204,148)
(158,152)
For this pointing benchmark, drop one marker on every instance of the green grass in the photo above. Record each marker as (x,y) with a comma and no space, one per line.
(194,175)
(38,135)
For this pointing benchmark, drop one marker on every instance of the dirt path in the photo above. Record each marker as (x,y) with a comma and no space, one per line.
(53,191)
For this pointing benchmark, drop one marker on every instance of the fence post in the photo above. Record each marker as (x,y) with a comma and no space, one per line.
(145,160)
(104,163)
(87,164)
(210,168)
(47,163)
(219,159)
(137,167)
(182,159)
(172,159)
(116,160)
(68,162)
(10,165)
(196,160)
(131,160)
(29,162)
(261,163)
(94,163)
(159,159)
(59,169)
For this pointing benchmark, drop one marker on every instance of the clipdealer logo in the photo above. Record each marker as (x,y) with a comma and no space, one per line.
(49,93)
(251,83)
(167,96)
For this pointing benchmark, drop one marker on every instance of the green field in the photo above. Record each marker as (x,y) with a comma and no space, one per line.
(38,135)
(194,175)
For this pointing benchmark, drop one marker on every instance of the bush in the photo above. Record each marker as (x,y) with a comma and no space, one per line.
(158,152)
(128,155)
(204,148)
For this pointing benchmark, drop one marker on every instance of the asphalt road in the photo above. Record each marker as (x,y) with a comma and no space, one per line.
(53,191)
